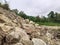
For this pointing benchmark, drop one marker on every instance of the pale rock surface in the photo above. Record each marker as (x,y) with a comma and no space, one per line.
(27,21)
(27,42)
(31,22)
(38,41)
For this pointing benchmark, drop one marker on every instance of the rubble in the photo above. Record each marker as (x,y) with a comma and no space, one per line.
(14,30)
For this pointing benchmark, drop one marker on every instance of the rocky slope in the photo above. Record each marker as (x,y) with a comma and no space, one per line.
(14,30)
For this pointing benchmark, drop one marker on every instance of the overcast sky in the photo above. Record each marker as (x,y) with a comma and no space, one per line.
(35,7)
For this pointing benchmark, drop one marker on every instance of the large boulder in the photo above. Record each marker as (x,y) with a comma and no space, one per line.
(16,35)
(27,21)
(37,41)
(2,36)
(28,28)
(31,22)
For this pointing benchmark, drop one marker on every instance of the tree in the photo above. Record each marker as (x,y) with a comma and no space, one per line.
(22,14)
(51,16)
(0,4)
(44,19)
(37,18)
(56,16)
(6,5)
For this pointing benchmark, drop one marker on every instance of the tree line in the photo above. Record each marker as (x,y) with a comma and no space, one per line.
(53,17)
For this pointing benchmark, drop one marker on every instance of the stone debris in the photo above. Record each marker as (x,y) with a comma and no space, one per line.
(38,41)
(14,30)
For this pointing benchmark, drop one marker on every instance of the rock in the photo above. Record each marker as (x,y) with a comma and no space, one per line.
(12,38)
(27,21)
(36,24)
(31,22)
(22,33)
(18,44)
(15,30)
(4,18)
(49,36)
(27,42)
(16,35)
(2,36)
(28,28)
(35,34)
(38,41)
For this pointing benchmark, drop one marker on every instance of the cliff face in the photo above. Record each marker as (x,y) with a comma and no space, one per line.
(14,30)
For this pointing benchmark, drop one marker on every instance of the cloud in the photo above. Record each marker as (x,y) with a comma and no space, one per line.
(35,7)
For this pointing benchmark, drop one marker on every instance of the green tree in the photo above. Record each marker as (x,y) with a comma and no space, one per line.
(0,4)
(37,18)
(44,19)
(56,16)
(51,16)
(22,14)
(6,5)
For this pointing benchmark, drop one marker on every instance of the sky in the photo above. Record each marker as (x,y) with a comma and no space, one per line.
(35,7)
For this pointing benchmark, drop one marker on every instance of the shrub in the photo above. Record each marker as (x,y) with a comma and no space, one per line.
(6,6)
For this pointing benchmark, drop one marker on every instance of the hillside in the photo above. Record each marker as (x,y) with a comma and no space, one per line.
(15,30)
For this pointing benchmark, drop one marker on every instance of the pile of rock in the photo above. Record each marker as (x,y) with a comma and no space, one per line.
(14,30)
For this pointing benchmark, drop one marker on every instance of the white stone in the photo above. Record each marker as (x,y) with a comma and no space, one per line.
(38,41)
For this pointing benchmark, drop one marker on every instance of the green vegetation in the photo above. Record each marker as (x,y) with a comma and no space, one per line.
(49,23)
(5,5)
(53,18)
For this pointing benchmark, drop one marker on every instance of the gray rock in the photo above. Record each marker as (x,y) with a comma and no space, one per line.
(27,42)
(38,41)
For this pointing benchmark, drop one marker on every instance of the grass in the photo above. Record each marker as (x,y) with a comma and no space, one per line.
(49,23)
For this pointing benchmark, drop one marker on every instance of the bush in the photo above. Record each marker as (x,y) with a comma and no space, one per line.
(5,6)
